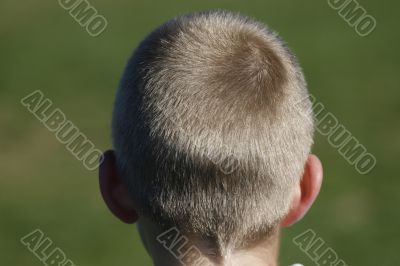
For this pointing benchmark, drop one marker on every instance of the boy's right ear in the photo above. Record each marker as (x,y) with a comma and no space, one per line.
(114,192)
(306,192)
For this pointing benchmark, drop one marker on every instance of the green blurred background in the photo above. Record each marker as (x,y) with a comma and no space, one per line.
(43,186)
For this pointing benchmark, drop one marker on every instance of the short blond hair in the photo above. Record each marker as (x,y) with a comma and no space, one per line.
(203,91)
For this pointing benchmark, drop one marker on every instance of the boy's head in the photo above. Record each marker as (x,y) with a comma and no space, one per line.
(212,131)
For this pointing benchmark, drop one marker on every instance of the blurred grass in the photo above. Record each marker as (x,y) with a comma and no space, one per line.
(43,186)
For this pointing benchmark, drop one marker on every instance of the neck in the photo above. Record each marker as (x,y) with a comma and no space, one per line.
(257,256)
(172,249)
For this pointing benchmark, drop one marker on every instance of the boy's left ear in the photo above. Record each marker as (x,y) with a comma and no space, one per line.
(114,192)
(306,192)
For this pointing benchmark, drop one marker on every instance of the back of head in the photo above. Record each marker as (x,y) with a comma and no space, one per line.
(206,128)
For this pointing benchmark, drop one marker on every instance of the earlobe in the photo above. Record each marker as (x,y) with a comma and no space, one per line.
(114,192)
(306,192)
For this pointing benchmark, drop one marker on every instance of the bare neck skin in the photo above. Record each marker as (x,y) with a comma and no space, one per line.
(165,252)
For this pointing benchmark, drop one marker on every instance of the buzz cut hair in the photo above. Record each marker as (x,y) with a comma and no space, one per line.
(212,127)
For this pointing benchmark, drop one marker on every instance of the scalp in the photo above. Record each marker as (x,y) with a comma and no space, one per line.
(200,91)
